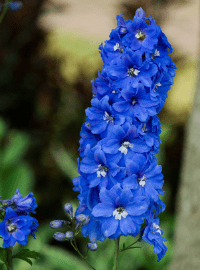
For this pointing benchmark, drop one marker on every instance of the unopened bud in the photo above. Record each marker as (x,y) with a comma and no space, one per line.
(69,235)
(59,236)
(92,246)
(69,209)
(56,224)
(81,218)
(87,220)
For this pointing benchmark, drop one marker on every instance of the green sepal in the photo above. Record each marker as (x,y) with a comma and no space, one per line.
(25,254)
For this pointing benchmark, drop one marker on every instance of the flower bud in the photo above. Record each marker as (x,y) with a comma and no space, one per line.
(59,236)
(69,235)
(92,246)
(87,220)
(56,224)
(81,218)
(140,13)
(69,209)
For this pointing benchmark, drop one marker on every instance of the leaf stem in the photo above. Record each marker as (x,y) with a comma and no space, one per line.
(116,253)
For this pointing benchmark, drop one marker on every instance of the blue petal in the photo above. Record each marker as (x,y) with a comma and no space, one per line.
(109,226)
(103,210)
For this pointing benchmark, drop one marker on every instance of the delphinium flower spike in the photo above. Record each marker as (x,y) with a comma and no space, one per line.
(120,180)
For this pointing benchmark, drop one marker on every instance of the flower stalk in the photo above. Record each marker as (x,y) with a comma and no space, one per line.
(9,258)
(115,263)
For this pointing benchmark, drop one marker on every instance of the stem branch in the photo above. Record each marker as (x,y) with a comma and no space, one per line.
(76,248)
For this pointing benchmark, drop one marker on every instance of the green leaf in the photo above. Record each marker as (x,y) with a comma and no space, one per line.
(64,161)
(3,128)
(25,254)
(3,254)
(16,148)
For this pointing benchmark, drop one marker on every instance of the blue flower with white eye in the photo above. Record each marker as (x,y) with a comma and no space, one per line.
(153,235)
(124,142)
(111,52)
(16,228)
(101,116)
(131,71)
(119,211)
(101,169)
(141,36)
(136,103)
(143,176)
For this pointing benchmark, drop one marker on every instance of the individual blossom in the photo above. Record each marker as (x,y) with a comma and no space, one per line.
(21,205)
(136,103)
(144,177)
(16,228)
(120,212)
(101,169)
(141,36)
(101,116)
(132,71)
(152,234)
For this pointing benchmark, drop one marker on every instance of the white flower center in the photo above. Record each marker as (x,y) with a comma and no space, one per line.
(142,181)
(133,72)
(140,35)
(156,228)
(116,47)
(114,92)
(11,228)
(156,53)
(108,118)
(133,102)
(102,171)
(120,212)
(124,147)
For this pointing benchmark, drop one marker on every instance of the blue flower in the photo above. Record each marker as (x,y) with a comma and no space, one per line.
(141,35)
(132,71)
(144,177)
(101,117)
(21,205)
(136,103)
(120,212)
(101,169)
(16,228)
(153,236)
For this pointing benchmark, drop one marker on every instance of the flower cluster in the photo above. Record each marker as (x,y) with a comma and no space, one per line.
(17,224)
(120,179)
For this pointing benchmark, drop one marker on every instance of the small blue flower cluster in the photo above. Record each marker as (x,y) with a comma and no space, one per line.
(17,224)
(120,180)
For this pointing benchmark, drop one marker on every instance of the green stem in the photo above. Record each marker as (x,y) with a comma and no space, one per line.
(116,253)
(4,11)
(76,248)
(130,245)
(9,258)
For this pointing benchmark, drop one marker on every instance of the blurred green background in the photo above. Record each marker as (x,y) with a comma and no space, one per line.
(46,64)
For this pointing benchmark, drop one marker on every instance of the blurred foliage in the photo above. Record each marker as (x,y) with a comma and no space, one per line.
(45,89)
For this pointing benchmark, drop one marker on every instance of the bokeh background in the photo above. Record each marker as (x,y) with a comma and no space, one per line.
(48,56)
